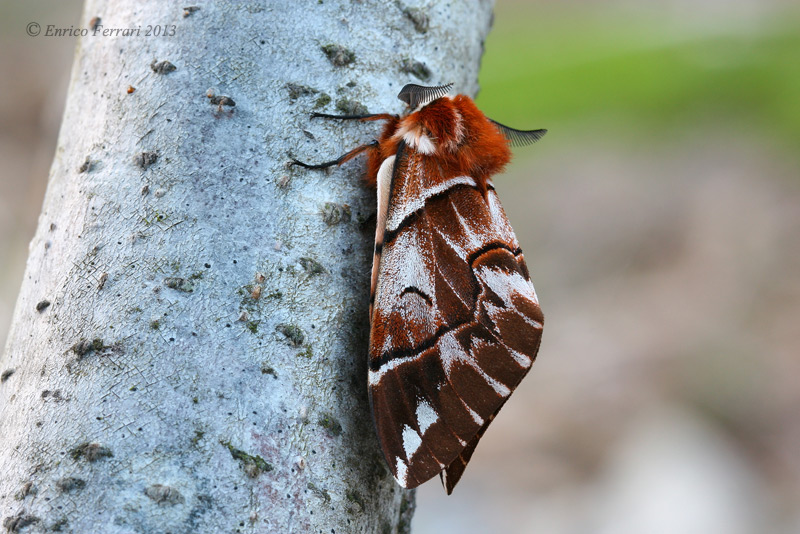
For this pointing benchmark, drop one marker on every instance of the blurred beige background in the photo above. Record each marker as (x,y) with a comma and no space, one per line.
(661,223)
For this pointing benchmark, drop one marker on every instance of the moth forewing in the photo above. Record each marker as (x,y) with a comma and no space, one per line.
(455,323)
(455,327)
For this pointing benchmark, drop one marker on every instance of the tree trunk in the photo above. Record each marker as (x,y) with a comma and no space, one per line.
(188,351)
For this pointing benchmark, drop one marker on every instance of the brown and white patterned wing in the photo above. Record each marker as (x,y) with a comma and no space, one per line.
(455,322)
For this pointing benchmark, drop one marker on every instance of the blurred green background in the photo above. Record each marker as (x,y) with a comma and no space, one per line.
(647,68)
(660,219)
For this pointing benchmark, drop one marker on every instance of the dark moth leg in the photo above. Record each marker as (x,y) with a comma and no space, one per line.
(363,118)
(338,161)
(353,153)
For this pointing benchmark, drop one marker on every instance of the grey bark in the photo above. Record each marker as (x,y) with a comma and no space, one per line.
(188,351)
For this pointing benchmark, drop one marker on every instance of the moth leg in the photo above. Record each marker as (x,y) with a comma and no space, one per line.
(338,161)
(362,118)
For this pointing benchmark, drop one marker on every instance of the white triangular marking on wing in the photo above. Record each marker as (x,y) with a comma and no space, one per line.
(451,352)
(411,441)
(426,416)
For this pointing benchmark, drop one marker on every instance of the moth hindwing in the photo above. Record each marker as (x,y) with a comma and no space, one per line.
(455,323)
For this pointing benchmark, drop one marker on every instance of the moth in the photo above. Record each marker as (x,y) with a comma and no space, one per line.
(455,323)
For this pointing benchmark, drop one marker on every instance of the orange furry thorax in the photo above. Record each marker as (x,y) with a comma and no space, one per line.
(450,132)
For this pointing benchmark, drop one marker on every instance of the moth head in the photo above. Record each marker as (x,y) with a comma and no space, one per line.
(416,96)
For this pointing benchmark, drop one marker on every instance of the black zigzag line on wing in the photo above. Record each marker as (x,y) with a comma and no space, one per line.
(386,357)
